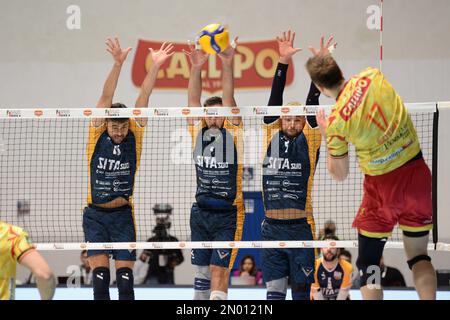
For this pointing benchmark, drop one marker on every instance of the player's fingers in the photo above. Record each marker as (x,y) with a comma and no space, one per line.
(163,46)
(109,50)
(284,35)
(293,37)
(321,42)
(289,35)
(187,52)
(330,39)
(116,40)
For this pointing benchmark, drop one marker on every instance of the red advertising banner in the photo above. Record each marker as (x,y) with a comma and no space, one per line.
(254,67)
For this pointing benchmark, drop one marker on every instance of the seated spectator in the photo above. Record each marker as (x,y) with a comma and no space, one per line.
(247,273)
(332,277)
(391,277)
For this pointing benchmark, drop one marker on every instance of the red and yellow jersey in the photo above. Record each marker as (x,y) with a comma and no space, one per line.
(14,242)
(332,281)
(371,115)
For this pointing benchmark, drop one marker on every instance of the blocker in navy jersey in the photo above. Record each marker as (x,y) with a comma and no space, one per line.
(218,213)
(112,171)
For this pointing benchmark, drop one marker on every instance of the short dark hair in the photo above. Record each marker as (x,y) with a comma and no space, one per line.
(346,253)
(212,101)
(324,71)
(118,105)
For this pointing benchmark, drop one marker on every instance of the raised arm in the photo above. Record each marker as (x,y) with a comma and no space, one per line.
(197,58)
(227,57)
(158,58)
(119,55)
(286,50)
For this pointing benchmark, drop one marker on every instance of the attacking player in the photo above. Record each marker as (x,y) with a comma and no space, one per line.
(291,150)
(397,185)
(15,247)
(114,152)
(332,275)
(218,212)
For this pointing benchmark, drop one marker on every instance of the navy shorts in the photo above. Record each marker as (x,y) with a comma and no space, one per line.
(110,225)
(212,225)
(298,264)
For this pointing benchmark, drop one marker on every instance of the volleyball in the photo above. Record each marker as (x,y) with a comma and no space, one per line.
(214,38)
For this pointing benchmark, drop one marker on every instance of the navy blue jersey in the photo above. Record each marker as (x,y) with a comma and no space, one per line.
(218,158)
(288,167)
(113,167)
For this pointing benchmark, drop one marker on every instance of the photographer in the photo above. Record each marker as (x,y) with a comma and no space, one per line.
(162,261)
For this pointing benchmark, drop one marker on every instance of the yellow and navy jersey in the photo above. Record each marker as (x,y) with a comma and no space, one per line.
(288,167)
(218,155)
(371,115)
(14,243)
(330,282)
(113,167)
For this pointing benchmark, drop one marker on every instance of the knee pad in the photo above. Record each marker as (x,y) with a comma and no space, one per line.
(370,251)
(100,281)
(125,281)
(422,257)
(301,291)
(202,283)
(276,289)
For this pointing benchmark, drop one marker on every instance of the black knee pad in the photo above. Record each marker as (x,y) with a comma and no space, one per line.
(370,251)
(100,281)
(301,291)
(125,283)
(414,260)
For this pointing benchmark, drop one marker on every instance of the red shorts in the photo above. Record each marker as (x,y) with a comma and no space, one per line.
(402,196)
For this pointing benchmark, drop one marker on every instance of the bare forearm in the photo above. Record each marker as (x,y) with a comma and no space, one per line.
(195,87)
(110,86)
(318,295)
(343,294)
(338,167)
(228,85)
(147,87)
(46,287)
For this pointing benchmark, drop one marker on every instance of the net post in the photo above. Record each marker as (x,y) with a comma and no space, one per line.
(435,175)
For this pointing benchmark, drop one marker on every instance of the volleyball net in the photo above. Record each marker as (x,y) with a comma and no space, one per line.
(45,176)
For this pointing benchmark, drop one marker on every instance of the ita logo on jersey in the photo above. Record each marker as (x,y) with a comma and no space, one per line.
(116,150)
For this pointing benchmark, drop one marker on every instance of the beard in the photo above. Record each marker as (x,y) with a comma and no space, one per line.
(329,257)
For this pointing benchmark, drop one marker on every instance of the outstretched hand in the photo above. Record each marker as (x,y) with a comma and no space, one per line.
(119,54)
(197,57)
(164,52)
(322,121)
(286,46)
(324,48)
(227,55)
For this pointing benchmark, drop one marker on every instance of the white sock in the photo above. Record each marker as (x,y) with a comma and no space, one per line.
(218,295)
(202,295)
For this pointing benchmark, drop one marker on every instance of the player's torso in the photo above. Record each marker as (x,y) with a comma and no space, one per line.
(288,168)
(218,158)
(113,168)
(7,262)
(376,122)
(330,281)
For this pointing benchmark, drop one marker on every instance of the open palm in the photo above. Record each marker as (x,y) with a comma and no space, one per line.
(164,52)
(119,54)
(286,45)
(197,57)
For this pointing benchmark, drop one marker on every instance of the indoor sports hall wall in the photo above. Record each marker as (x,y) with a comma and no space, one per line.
(44,63)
